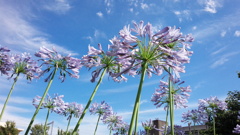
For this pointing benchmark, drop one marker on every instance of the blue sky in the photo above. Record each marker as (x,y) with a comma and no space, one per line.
(72,25)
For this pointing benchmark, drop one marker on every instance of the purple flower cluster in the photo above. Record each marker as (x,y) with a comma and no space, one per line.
(195,116)
(52,59)
(70,109)
(5,63)
(177,130)
(148,126)
(102,109)
(180,95)
(210,105)
(161,50)
(115,123)
(100,60)
(23,64)
(54,104)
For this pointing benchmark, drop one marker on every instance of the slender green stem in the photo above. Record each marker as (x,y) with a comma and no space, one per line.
(137,101)
(89,102)
(194,128)
(171,90)
(45,125)
(165,128)
(214,128)
(9,94)
(136,122)
(110,131)
(41,101)
(97,124)
(70,117)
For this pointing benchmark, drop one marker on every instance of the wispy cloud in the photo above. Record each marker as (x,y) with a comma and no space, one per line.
(223,59)
(57,6)
(215,27)
(219,50)
(185,14)
(211,5)
(19,34)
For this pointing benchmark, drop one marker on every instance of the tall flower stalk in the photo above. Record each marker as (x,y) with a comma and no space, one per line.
(148,53)
(54,62)
(71,110)
(20,64)
(104,63)
(103,110)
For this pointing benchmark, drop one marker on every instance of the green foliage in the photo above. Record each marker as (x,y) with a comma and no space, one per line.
(227,120)
(9,128)
(38,129)
(61,132)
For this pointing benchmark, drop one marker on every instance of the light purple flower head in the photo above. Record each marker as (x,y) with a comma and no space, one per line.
(211,104)
(5,61)
(54,104)
(113,121)
(102,109)
(23,64)
(97,58)
(195,116)
(52,59)
(163,49)
(148,125)
(180,95)
(73,108)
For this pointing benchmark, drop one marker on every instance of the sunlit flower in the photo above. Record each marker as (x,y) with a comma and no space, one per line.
(54,104)
(160,50)
(97,58)
(73,108)
(113,121)
(180,95)
(195,116)
(102,109)
(148,126)
(211,105)
(52,59)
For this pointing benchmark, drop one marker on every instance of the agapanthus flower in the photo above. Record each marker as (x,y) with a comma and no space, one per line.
(195,116)
(122,129)
(113,121)
(52,59)
(73,108)
(5,61)
(23,64)
(54,103)
(180,95)
(211,105)
(97,58)
(101,109)
(166,48)
(148,126)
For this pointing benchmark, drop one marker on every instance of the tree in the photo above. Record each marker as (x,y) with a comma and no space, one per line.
(38,129)
(9,128)
(227,120)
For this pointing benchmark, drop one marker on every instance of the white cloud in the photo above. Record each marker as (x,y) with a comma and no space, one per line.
(237,33)
(144,6)
(99,14)
(108,4)
(57,6)
(223,59)
(219,50)
(211,5)
(185,14)
(225,22)
(19,34)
